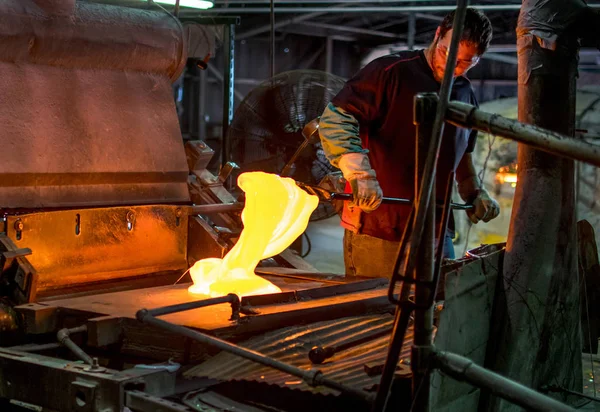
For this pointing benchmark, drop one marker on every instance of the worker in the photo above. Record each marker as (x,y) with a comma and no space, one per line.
(367,131)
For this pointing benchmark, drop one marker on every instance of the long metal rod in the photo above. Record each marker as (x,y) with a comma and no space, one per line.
(465,115)
(231,298)
(216,208)
(228,90)
(272,37)
(423,324)
(311,377)
(464,369)
(419,211)
(363,10)
(429,168)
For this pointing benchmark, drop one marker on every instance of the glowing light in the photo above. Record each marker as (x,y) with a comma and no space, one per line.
(275,214)
(194,4)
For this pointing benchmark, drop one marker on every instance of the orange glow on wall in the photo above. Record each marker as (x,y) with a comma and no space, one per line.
(275,214)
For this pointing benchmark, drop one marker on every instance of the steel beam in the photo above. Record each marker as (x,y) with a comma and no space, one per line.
(283,23)
(355,30)
(228,89)
(366,9)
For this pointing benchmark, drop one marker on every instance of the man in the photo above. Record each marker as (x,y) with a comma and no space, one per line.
(367,131)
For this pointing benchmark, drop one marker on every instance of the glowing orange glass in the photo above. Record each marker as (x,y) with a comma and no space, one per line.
(275,214)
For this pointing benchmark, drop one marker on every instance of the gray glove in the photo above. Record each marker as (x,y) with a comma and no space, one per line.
(484,206)
(363,181)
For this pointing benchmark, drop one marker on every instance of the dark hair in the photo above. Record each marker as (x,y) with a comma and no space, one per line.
(477,30)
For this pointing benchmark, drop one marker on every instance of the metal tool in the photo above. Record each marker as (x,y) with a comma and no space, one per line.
(319,354)
(310,132)
(327,196)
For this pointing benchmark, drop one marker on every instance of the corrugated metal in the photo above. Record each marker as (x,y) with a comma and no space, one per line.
(291,345)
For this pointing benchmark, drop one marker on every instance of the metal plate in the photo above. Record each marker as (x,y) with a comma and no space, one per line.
(90,245)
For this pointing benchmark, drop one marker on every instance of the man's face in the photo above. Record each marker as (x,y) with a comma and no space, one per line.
(466,59)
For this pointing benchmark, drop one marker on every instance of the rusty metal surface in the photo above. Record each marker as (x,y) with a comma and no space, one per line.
(90,245)
(91,36)
(87,112)
(292,345)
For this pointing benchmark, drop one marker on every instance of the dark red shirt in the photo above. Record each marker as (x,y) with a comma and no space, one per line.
(380,97)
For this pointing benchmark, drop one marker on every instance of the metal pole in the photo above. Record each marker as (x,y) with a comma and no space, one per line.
(228,83)
(231,298)
(465,115)
(215,208)
(464,369)
(429,168)
(312,377)
(272,32)
(328,54)
(412,30)
(202,84)
(418,215)
(425,112)
(363,10)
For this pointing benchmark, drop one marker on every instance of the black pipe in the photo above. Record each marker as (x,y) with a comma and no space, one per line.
(319,354)
(311,377)
(63,336)
(409,242)
(231,298)
(464,369)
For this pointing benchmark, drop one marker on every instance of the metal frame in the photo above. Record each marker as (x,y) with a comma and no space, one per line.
(313,377)
(62,385)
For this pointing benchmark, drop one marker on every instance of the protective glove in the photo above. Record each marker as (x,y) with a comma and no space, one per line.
(363,181)
(484,206)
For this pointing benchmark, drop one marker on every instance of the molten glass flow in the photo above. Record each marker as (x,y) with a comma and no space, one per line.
(275,214)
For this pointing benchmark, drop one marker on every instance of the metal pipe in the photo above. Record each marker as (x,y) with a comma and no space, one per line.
(63,336)
(319,354)
(423,323)
(425,174)
(216,208)
(246,2)
(228,90)
(429,168)
(465,115)
(272,38)
(374,9)
(464,369)
(231,298)
(312,377)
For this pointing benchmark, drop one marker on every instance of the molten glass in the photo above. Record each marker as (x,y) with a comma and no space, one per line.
(275,214)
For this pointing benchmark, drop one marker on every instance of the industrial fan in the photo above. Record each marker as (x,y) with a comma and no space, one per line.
(266,132)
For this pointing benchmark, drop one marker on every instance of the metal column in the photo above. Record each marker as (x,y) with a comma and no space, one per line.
(202,84)
(228,83)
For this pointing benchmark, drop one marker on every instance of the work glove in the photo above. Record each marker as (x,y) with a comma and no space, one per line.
(484,206)
(357,171)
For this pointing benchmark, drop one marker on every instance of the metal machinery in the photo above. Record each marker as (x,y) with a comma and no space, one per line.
(104,209)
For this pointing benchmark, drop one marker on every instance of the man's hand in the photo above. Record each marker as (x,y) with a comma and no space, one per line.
(484,206)
(363,181)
